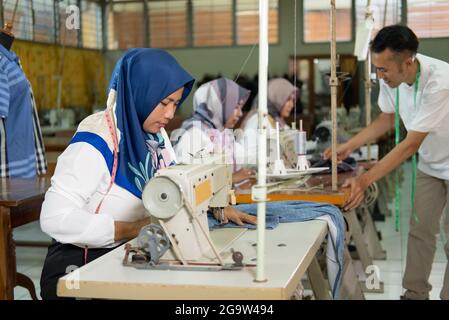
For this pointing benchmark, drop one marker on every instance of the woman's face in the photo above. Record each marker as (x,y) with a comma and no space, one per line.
(287,108)
(235,116)
(163,113)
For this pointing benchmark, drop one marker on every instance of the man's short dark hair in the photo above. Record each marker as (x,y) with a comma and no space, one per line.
(397,38)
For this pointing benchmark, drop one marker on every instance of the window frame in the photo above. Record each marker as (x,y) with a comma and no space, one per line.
(405,7)
(352,27)
(190,39)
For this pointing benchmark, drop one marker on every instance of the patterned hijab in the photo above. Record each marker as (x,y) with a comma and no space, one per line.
(213,104)
(141,79)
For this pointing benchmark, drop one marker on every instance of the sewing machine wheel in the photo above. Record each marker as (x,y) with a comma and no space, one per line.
(153,240)
(162,197)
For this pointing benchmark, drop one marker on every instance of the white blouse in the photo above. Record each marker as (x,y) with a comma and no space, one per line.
(248,138)
(196,142)
(79,183)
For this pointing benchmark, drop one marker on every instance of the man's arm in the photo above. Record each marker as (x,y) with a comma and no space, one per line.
(393,159)
(383,123)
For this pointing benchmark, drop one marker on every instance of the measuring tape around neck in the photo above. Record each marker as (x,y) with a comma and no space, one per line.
(113,133)
(414,166)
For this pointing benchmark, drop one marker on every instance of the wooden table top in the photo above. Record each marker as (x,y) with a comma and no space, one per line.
(16,191)
(58,144)
(316,193)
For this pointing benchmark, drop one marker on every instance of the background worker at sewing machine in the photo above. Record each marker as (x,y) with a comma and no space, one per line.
(94,202)
(217,107)
(281,96)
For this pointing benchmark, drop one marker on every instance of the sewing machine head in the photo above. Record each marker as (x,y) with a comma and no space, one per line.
(178,199)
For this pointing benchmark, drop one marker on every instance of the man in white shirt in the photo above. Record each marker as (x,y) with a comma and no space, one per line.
(417,86)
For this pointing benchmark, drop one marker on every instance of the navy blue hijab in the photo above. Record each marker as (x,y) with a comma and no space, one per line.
(142,79)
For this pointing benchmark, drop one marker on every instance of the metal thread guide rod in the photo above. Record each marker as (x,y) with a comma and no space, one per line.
(368,85)
(333,83)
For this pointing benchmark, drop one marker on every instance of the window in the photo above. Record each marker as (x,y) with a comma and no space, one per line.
(428,19)
(44,20)
(125,25)
(317,20)
(168,24)
(91,25)
(23,19)
(212,23)
(247,20)
(382,17)
(66,36)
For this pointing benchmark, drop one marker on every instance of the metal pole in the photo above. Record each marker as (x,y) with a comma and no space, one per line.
(262,138)
(368,81)
(104,25)
(333,82)
(368,96)
(78,32)
(146,25)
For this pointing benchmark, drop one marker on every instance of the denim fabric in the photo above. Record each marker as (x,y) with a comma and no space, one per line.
(297,211)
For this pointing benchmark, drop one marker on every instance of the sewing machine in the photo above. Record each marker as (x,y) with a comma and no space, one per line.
(294,147)
(178,199)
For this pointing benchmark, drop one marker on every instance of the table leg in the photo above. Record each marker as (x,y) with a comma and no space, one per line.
(7,256)
(320,286)
(370,234)
(359,241)
(350,286)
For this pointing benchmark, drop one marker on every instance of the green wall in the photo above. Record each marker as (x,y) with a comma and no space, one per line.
(229,60)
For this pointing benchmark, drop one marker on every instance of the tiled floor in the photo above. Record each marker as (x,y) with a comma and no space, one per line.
(395,244)
(30,260)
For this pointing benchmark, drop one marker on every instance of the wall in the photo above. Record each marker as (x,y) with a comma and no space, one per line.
(229,60)
(83,75)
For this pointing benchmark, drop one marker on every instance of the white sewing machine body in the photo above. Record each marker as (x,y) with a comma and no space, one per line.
(170,194)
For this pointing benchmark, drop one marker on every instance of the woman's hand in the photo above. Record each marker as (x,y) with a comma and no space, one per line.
(243,174)
(236,216)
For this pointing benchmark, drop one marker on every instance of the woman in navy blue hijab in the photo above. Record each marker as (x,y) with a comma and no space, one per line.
(150,86)
(94,202)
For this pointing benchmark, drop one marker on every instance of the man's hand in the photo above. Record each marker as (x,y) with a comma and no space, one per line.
(243,174)
(358,186)
(237,216)
(343,151)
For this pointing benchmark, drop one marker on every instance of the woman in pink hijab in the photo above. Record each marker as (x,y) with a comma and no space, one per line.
(281,101)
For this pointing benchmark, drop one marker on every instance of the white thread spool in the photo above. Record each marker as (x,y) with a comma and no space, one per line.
(301,149)
(279,167)
(301,141)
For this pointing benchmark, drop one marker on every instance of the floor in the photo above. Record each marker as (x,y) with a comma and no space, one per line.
(395,244)
(30,260)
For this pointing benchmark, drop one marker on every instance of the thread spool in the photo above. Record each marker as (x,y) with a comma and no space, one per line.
(301,149)
(301,141)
